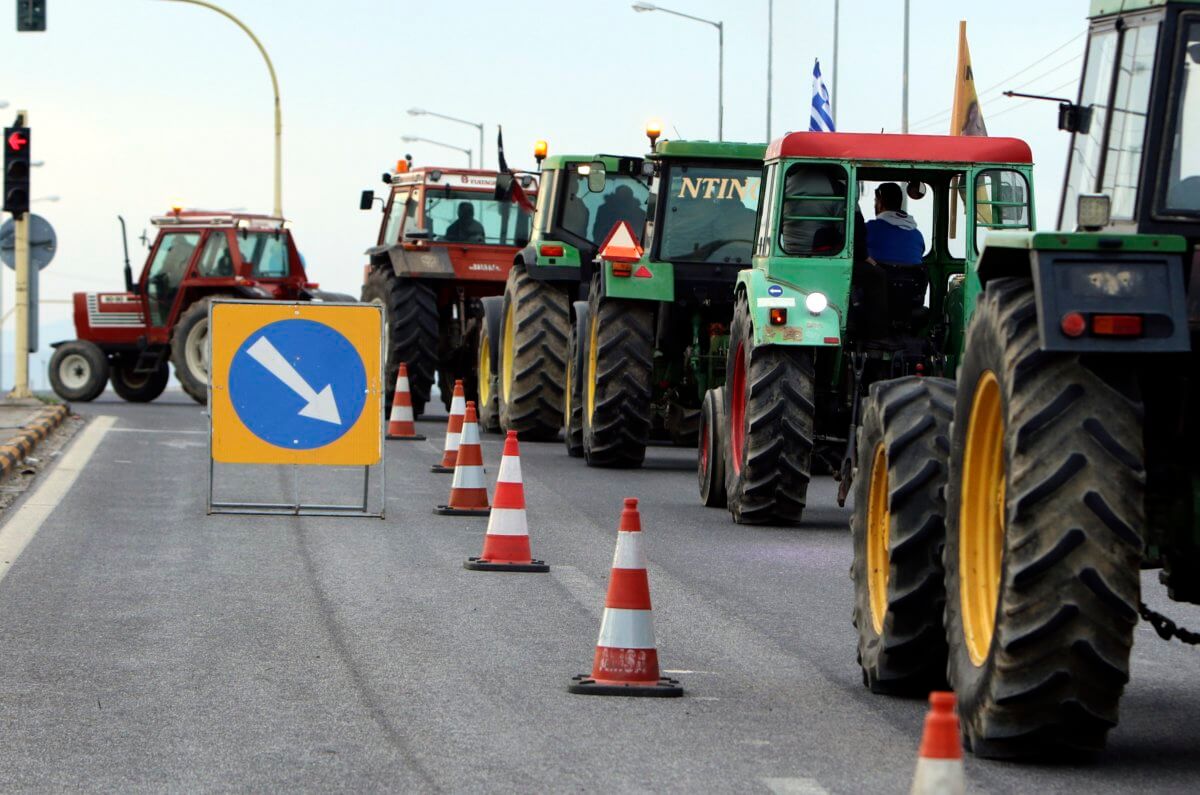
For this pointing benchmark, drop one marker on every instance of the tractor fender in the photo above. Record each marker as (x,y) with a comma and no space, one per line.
(648,281)
(565,268)
(493,316)
(802,327)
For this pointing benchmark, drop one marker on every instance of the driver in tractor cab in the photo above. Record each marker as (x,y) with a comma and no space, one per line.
(466,229)
(893,237)
(889,276)
(620,205)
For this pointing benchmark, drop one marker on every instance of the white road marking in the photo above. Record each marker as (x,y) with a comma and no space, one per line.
(156,430)
(794,786)
(23,525)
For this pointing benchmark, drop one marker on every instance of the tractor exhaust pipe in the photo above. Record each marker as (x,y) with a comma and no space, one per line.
(129,285)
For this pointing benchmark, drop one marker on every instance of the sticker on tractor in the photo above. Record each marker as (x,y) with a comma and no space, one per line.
(775,290)
(776,302)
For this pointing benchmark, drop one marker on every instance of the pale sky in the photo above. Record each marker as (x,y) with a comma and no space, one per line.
(137,104)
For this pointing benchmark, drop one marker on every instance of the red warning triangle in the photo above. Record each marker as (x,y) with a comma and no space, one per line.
(621,245)
(643,273)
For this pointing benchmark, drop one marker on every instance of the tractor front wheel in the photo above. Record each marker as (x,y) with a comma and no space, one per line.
(616,382)
(1045,504)
(190,349)
(78,371)
(898,527)
(769,407)
(139,387)
(710,463)
(533,356)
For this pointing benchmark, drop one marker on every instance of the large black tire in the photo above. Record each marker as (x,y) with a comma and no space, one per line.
(616,382)
(573,394)
(899,529)
(139,387)
(412,332)
(1046,509)
(710,461)
(769,409)
(78,371)
(533,356)
(190,348)
(488,404)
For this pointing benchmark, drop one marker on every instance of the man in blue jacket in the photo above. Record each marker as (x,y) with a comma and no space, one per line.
(893,236)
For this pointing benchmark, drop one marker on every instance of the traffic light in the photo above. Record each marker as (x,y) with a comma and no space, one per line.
(16,170)
(31,15)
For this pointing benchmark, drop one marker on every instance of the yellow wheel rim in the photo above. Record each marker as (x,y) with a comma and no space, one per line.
(506,356)
(878,532)
(485,370)
(593,355)
(981,519)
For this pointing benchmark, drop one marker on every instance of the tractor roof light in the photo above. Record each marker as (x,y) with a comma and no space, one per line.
(540,148)
(653,130)
(1094,211)
(402,166)
(816,303)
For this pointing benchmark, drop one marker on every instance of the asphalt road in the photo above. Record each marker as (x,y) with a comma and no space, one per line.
(148,646)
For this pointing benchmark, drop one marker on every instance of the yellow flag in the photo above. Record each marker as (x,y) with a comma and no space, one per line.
(966,118)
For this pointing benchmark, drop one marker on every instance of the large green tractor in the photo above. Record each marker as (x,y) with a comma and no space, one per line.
(652,334)
(817,319)
(1064,461)
(523,355)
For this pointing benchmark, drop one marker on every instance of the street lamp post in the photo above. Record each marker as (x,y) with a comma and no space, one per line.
(412,139)
(476,124)
(274,88)
(720,26)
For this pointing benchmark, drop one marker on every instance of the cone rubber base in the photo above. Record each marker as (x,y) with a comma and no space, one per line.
(479,564)
(440,468)
(585,685)
(446,510)
(416,437)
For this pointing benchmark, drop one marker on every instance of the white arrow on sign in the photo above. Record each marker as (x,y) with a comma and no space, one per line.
(320,406)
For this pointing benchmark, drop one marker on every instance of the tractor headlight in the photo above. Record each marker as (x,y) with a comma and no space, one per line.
(816,303)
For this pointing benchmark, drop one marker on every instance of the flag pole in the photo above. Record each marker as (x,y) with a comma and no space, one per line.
(960,76)
(904,84)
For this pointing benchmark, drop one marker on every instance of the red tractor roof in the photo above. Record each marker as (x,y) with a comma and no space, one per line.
(890,147)
(220,218)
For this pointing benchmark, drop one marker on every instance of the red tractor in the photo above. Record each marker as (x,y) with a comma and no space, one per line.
(447,240)
(197,256)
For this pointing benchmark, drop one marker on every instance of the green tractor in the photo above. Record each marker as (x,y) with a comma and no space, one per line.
(652,335)
(1000,528)
(523,356)
(816,320)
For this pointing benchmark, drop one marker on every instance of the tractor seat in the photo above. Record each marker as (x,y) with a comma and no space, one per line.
(907,285)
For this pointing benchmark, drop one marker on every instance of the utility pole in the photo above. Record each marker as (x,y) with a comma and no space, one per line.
(21,294)
(770,44)
(904,79)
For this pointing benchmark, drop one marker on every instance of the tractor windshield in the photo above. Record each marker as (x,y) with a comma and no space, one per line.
(1182,192)
(708,213)
(467,216)
(266,253)
(592,216)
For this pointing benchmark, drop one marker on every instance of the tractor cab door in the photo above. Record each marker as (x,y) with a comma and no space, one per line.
(169,264)
(401,218)
(267,258)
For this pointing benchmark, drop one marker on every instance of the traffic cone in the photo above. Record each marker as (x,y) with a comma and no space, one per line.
(454,426)
(400,423)
(506,543)
(939,763)
(626,662)
(468,492)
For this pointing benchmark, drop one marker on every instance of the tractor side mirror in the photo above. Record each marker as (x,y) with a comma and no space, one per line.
(597,178)
(367,200)
(1074,118)
(504,186)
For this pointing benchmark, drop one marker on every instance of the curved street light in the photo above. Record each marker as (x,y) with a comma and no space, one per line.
(412,139)
(476,124)
(642,7)
(274,87)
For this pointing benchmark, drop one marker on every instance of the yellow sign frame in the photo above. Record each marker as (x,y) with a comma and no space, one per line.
(232,322)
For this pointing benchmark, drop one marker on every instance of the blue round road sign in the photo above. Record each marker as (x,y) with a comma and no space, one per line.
(297,384)
(775,290)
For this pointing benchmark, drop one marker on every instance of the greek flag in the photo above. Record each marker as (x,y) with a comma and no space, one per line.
(821,119)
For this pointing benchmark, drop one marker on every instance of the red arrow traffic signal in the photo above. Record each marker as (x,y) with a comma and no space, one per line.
(16,142)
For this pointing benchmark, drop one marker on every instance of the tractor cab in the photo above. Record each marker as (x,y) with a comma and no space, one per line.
(1135,130)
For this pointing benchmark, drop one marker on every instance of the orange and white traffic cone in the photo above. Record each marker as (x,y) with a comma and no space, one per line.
(400,423)
(458,407)
(939,763)
(506,543)
(468,492)
(626,662)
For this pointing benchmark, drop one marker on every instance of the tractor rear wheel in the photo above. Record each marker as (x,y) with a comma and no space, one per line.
(572,397)
(898,527)
(533,356)
(770,414)
(616,382)
(78,371)
(710,463)
(190,348)
(1044,507)
(139,387)
(412,332)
